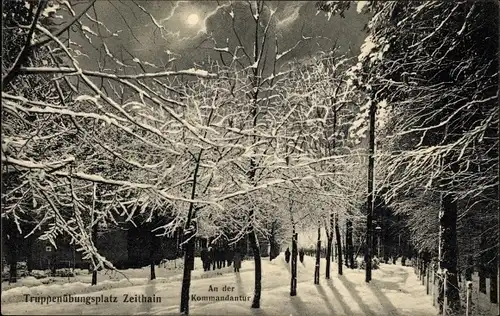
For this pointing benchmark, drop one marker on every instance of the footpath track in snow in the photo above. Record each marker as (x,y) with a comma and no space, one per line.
(393,291)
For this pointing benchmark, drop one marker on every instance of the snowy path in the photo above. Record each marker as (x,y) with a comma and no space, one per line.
(393,291)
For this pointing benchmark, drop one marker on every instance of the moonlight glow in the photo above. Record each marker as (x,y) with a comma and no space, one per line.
(192,19)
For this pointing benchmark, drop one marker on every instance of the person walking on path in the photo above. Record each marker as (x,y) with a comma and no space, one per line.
(223,255)
(205,259)
(287,255)
(218,257)
(301,255)
(237,261)
(229,256)
(211,257)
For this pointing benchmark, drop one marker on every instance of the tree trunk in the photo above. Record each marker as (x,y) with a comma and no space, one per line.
(94,277)
(334,246)
(346,246)
(383,249)
(440,296)
(482,265)
(371,174)
(497,290)
(449,248)
(254,244)
(272,242)
(190,230)
(328,254)
(425,264)
(369,248)
(318,256)
(332,229)
(13,264)
(470,269)
(12,239)
(191,257)
(53,267)
(186,279)
(346,258)
(152,252)
(178,241)
(494,284)
(94,240)
(293,282)
(29,259)
(152,274)
(349,245)
(419,265)
(339,244)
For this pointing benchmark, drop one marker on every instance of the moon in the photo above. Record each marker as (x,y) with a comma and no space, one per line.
(192,19)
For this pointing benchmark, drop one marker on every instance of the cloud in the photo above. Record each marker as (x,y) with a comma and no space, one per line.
(174,26)
(290,14)
(171,13)
(210,14)
(292,20)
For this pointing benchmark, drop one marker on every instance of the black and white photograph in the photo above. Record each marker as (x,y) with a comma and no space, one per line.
(258,158)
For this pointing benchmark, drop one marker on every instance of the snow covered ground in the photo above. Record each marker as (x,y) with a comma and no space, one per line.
(168,272)
(481,303)
(394,290)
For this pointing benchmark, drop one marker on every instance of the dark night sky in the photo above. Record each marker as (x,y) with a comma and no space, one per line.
(188,29)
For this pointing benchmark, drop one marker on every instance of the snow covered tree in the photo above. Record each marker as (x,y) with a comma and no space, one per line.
(438,90)
(66,127)
(255,80)
(17,199)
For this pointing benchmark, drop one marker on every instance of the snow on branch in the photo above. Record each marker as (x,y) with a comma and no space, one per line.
(68,70)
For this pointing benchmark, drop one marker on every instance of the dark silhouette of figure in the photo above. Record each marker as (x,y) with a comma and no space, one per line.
(205,259)
(223,256)
(211,257)
(287,255)
(229,256)
(218,258)
(237,261)
(301,255)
